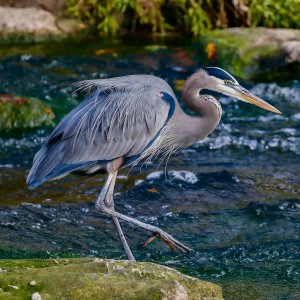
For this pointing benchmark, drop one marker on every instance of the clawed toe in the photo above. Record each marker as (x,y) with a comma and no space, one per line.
(169,240)
(149,240)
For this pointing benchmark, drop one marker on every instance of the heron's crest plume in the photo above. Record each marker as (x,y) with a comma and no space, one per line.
(220,73)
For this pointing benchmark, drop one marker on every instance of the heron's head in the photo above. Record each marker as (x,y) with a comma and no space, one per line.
(222,82)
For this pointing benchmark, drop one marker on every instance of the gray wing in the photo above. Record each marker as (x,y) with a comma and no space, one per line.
(120,119)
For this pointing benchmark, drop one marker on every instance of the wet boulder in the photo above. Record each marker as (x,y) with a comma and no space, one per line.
(22,112)
(254,53)
(85,278)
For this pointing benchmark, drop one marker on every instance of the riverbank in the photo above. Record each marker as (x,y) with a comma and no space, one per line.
(249,53)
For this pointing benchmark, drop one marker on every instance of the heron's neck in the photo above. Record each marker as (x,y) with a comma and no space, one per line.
(207,107)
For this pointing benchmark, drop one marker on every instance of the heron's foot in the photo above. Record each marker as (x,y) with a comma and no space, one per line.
(169,240)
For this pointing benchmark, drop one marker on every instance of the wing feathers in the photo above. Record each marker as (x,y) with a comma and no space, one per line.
(119,119)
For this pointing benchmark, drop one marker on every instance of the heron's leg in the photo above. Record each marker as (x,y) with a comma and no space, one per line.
(106,197)
(110,204)
(167,238)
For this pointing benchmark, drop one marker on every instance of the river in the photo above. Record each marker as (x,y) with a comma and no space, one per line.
(233,198)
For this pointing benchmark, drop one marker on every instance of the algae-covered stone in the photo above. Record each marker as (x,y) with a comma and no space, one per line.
(252,53)
(84,278)
(21,112)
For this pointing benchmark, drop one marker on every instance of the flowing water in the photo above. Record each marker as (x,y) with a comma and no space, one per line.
(233,198)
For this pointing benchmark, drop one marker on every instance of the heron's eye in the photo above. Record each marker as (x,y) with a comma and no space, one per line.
(228,82)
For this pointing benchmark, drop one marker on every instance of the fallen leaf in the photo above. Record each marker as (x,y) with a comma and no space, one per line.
(48,110)
(107,51)
(211,51)
(13,99)
(152,190)
(179,83)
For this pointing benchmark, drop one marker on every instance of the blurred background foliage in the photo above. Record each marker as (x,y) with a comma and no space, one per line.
(193,17)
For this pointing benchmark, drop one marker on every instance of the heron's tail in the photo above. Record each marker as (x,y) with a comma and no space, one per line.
(44,163)
(47,166)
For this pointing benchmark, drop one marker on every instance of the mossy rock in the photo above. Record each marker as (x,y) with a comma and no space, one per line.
(254,53)
(85,278)
(21,112)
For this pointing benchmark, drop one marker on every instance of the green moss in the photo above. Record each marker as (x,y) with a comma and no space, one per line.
(84,278)
(249,53)
(23,37)
(20,112)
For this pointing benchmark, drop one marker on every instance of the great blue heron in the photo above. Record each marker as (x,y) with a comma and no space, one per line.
(130,119)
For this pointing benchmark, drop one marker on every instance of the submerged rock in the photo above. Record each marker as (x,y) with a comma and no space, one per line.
(22,112)
(253,53)
(85,278)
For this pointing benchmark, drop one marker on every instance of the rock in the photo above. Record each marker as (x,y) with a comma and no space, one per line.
(27,23)
(22,112)
(54,6)
(254,53)
(292,50)
(32,283)
(86,278)
(36,296)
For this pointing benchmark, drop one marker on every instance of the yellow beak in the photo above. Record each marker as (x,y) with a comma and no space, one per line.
(241,93)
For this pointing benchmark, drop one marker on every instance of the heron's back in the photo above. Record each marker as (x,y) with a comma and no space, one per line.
(122,118)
